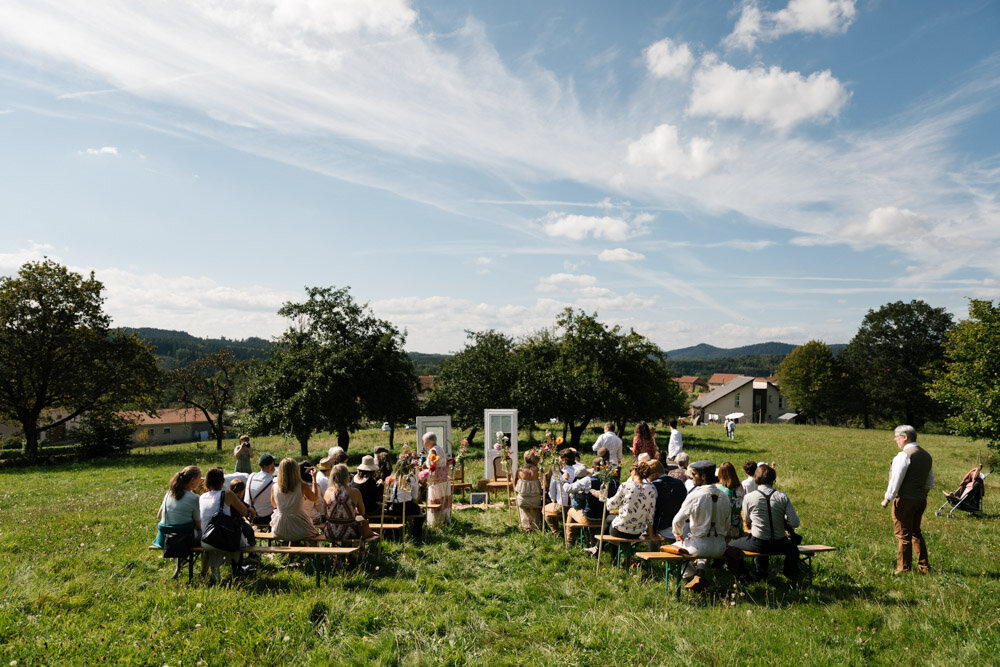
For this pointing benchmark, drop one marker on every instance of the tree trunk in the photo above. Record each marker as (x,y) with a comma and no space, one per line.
(30,450)
(392,435)
(565,428)
(620,427)
(343,437)
(576,432)
(531,431)
(304,446)
(220,431)
(472,434)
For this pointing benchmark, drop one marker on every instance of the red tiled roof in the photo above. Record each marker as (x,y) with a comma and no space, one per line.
(425,382)
(168,416)
(723,378)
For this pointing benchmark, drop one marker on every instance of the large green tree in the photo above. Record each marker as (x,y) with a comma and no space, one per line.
(892,359)
(970,385)
(209,384)
(330,363)
(482,375)
(811,380)
(57,350)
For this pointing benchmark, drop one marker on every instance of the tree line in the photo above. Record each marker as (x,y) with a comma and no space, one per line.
(338,366)
(908,363)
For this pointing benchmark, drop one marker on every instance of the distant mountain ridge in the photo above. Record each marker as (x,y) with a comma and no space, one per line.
(706,351)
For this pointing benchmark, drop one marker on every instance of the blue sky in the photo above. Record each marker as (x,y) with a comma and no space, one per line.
(701,172)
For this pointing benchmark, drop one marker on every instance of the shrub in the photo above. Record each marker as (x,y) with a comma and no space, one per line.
(104,434)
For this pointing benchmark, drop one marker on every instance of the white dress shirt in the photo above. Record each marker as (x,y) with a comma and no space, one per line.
(610,440)
(675,446)
(900,463)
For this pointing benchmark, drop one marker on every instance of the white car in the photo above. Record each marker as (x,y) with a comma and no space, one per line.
(386,427)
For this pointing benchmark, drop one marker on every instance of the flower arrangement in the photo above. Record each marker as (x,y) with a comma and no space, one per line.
(463,453)
(502,445)
(432,461)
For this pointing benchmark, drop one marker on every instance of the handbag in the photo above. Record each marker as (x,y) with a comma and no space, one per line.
(223,532)
(178,544)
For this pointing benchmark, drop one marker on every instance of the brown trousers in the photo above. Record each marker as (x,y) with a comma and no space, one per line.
(906,515)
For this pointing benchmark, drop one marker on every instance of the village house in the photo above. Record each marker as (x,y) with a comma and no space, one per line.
(757,398)
(170,426)
(719,379)
(691,384)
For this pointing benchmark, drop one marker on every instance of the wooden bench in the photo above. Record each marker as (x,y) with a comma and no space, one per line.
(318,556)
(668,559)
(806,553)
(585,528)
(625,546)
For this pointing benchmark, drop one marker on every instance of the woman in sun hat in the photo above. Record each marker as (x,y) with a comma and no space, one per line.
(366,483)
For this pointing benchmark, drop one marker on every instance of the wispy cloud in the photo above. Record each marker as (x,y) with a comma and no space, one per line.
(806,16)
(103,151)
(620,255)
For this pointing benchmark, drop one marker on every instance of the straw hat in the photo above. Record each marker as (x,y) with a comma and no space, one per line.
(368,463)
(325,464)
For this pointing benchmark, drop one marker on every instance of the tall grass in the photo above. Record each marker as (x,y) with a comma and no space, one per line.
(81,587)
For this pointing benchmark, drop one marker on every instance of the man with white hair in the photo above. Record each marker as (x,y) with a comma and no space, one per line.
(911,476)
(680,472)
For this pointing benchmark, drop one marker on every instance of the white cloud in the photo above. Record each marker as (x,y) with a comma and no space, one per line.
(667,60)
(10,262)
(620,255)
(887,224)
(662,151)
(563,281)
(808,16)
(768,96)
(324,18)
(104,150)
(578,227)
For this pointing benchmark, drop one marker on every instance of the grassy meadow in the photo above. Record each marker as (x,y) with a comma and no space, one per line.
(81,587)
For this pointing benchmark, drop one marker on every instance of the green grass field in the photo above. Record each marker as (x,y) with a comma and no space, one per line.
(81,587)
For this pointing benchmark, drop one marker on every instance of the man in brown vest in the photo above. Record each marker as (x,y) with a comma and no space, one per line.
(910,478)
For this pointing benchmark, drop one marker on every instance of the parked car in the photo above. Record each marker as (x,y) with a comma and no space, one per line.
(411,425)
(386,427)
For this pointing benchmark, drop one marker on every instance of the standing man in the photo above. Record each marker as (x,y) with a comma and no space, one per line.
(610,440)
(675,446)
(910,478)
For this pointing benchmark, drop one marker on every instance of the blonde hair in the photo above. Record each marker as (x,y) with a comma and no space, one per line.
(289,478)
(340,476)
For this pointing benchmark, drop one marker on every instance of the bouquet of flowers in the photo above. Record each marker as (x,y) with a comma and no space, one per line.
(406,464)
(463,453)
(502,445)
(605,472)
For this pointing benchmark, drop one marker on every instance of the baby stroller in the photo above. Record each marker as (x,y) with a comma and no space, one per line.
(968,497)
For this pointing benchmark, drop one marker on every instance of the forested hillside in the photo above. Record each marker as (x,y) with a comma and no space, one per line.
(176,348)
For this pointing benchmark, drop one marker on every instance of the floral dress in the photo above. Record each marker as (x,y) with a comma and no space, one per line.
(439,488)
(341,522)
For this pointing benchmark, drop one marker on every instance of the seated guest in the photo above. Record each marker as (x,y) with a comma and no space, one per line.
(322,472)
(339,456)
(670,494)
(179,512)
(344,508)
(579,470)
(258,491)
(589,488)
(238,487)
(706,512)
(401,500)
(529,492)
(369,488)
(288,521)
(680,472)
(559,499)
(729,484)
(312,508)
(749,468)
(384,462)
(214,499)
(767,514)
(635,501)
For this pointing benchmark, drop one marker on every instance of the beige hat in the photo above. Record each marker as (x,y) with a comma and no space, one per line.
(643,457)
(325,463)
(368,463)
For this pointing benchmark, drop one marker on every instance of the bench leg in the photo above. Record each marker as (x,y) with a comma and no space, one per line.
(666,579)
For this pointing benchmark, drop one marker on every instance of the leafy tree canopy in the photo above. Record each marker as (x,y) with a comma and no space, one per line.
(897,351)
(970,385)
(210,384)
(810,378)
(57,351)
